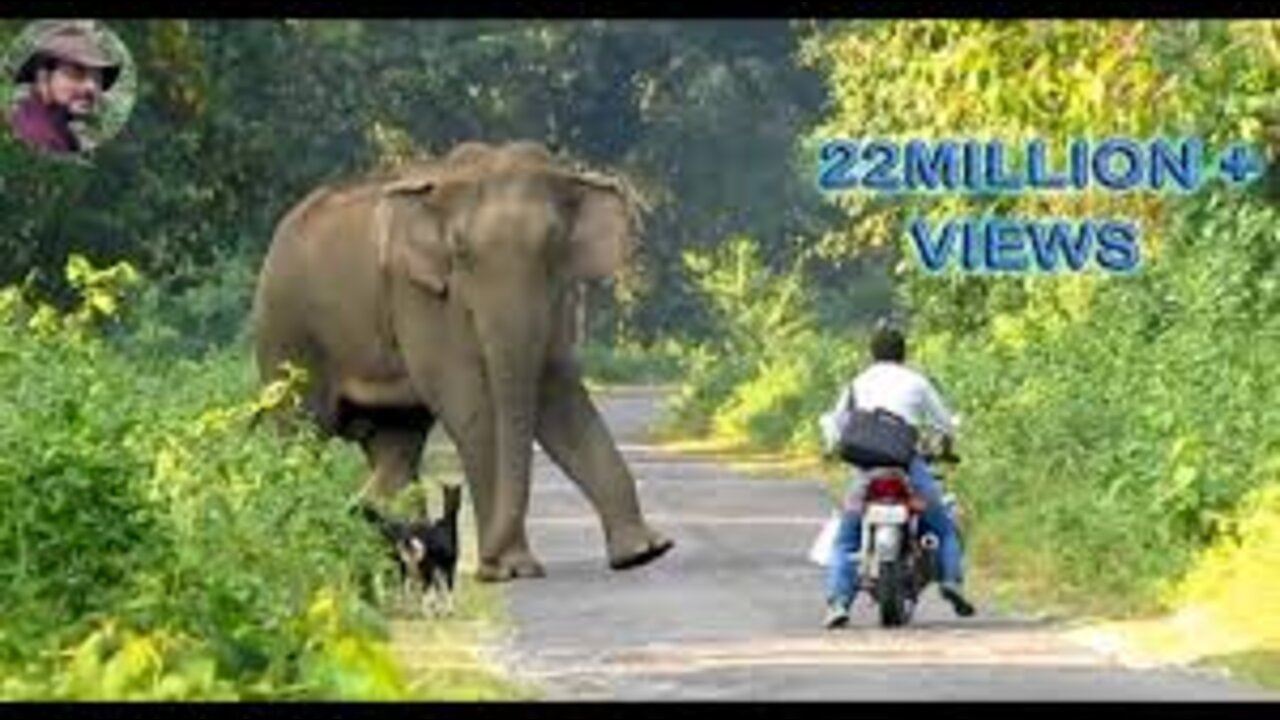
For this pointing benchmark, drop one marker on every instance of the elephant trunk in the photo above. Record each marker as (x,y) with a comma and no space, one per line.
(514,349)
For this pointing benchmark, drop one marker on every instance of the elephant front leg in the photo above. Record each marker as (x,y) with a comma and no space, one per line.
(574,435)
(438,347)
(474,437)
(468,416)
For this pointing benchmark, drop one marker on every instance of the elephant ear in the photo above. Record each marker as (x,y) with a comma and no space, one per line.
(410,230)
(606,224)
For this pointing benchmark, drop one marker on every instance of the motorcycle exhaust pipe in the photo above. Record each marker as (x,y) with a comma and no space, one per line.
(929,541)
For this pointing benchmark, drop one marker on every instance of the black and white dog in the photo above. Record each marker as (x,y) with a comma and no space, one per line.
(426,551)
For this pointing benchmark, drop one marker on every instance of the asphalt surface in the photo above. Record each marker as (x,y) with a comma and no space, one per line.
(734,611)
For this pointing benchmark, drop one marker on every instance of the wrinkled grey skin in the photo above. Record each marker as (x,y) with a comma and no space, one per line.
(443,292)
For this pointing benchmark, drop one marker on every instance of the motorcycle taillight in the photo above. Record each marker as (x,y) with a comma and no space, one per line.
(889,487)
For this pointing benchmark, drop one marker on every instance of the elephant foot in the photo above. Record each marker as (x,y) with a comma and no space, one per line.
(641,551)
(513,565)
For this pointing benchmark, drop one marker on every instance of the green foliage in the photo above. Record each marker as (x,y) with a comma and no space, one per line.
(192,312)
(751,305)
(153,545)
(1116,422)
(1113,424)
(1152,417)
(771,365)
(774,406)
(236,120)
(632,363)
(64,483)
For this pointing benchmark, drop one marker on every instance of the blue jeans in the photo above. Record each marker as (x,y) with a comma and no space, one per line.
(842,571)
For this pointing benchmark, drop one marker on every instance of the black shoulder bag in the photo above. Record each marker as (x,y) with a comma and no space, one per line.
(876,438)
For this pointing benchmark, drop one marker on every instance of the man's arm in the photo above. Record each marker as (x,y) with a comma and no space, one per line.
(845,399)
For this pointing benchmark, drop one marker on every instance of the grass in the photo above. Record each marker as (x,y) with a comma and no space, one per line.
(1260,667)
(452,659)
(1224,609)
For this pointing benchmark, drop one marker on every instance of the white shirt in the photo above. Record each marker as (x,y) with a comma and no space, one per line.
(900,390)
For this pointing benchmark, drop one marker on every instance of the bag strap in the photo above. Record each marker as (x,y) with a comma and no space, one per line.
(891,416)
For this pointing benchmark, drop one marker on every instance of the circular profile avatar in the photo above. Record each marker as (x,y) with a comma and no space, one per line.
(67,96)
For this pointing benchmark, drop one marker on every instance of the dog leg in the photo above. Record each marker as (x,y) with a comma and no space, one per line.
(443,594)
(407,591)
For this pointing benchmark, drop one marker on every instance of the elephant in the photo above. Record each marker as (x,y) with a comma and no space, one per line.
(443,290)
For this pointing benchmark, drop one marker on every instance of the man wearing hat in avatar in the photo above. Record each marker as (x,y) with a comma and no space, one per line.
(67,71)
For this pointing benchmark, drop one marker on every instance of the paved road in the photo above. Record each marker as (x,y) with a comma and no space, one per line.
(734,611)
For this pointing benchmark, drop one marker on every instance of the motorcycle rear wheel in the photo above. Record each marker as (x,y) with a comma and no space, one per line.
(892,596)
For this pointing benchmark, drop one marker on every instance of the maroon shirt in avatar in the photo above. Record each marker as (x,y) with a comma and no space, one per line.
(45,127)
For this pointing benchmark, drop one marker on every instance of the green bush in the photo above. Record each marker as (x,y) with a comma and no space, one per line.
(1110,424)
(193,312)
(773,368)
(153,545)
(777,408)
(1127,439)
(632,363)
(1113,423)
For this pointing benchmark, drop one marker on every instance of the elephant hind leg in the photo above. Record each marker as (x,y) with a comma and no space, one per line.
(392,440)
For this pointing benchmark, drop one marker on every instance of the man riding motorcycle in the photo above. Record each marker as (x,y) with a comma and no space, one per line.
(888,384)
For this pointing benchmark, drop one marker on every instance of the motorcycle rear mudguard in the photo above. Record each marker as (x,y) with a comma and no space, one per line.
(882,542)
(888,541)
(899,541)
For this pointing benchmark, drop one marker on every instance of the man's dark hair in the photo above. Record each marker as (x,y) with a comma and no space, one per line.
(888,344)
(46,62)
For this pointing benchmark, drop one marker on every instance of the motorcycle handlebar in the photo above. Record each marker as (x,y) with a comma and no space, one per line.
(949,458)
(939,450)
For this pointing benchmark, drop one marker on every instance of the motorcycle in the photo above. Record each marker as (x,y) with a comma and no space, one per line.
(899,554)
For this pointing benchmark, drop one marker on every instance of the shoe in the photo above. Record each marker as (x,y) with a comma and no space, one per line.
(952,593)
(837,616)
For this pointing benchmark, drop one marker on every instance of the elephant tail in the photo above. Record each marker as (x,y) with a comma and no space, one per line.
(452,502)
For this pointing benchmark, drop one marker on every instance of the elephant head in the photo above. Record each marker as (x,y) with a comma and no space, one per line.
(506,231)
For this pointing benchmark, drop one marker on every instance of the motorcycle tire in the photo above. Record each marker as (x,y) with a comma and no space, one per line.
(892,595)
